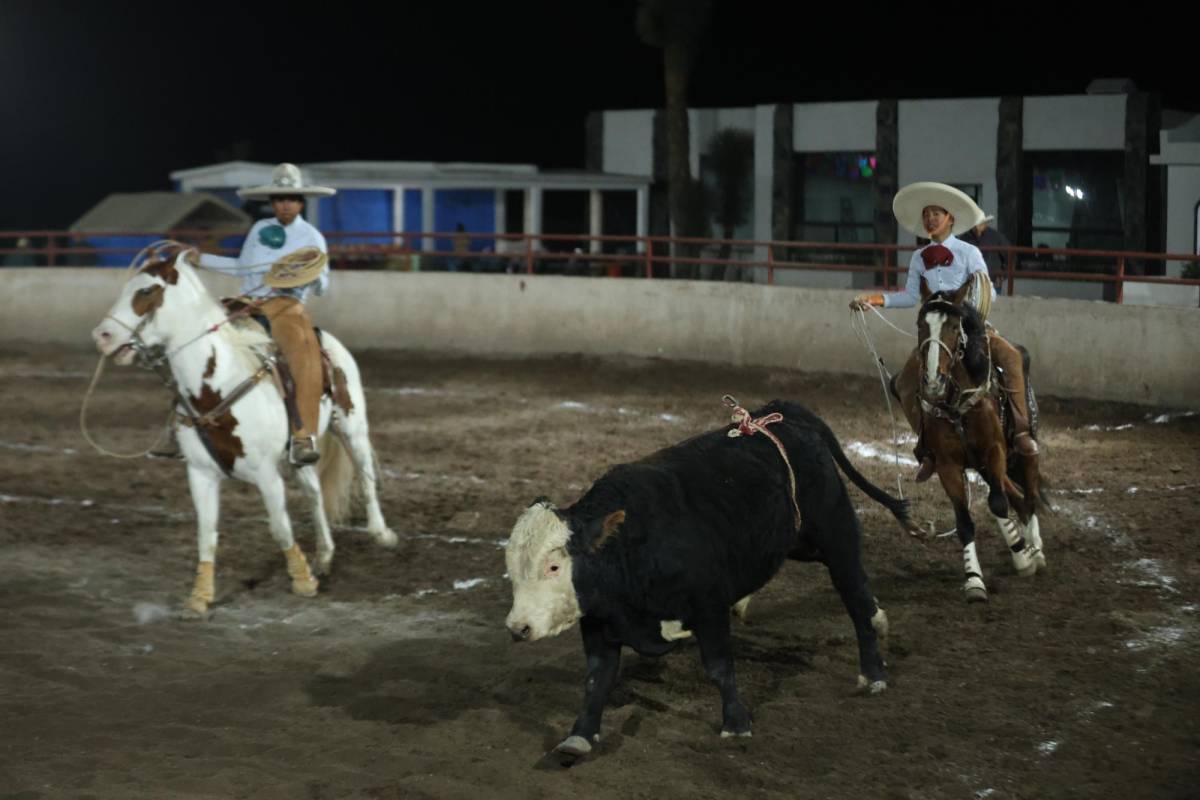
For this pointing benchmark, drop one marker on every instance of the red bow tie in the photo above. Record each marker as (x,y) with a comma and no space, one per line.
(937,256)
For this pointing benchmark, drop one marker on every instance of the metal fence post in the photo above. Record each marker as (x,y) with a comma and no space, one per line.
(1120,280)
(770,265)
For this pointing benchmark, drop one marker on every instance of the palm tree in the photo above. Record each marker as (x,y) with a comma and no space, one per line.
(675,26)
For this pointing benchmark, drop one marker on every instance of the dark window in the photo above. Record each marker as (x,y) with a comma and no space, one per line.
(834,197)
(1075,199)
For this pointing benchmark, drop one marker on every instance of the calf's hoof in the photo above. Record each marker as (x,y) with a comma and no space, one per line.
(728,734)
(574,746)
(305,587)
(870,687)
(974,590)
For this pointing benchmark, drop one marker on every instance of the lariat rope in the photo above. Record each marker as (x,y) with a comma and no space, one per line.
(858,321)
(748,426)
(158,251)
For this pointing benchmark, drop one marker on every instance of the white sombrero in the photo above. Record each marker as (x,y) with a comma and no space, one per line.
(916,197)
(285,179)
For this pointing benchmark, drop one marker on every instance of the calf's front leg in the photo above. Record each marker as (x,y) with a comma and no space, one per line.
(603,663)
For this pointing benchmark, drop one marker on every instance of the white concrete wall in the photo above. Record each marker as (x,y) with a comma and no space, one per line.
(950,141)
(834,127)
(629,142)
(1074,122)
(1079,348)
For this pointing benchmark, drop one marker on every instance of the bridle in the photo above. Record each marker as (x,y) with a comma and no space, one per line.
(964,399)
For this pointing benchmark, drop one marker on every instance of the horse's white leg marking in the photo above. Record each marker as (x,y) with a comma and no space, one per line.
(270,484)
(206,497)
(1022,556)
(973,587)
(1033,535)
(310,483)
(354,429)
(935,320)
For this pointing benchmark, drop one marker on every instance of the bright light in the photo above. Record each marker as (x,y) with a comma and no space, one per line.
(1071,191)
(1079,194)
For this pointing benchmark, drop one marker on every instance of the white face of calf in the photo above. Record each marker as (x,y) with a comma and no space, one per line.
(544,602)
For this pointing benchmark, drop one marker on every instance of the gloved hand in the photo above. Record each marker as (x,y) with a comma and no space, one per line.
(862,301)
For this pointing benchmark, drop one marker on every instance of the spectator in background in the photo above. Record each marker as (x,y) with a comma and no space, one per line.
(983,235)
(22,255)
(461,243)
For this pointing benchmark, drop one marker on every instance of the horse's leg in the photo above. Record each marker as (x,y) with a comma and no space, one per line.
(1033,536)
(206,497)
(354,435)
(270,484)
(998,503)
(954,482)
(310,484)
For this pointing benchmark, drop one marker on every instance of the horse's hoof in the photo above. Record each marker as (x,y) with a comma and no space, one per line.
(574,746)
(975,591)
(194,608)
(871,687)
(386,538)
(1039,558)
(305,587)
(1024,563)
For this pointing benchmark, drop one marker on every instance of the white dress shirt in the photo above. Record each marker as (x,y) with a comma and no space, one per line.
(262,249)
(967,260)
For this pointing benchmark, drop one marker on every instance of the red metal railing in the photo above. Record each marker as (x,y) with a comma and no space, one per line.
(625,256)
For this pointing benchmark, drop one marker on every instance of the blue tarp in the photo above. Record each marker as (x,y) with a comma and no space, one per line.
(474,208)
(357,210)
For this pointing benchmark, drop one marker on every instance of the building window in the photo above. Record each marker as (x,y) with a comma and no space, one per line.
(834,197)
(1076,199)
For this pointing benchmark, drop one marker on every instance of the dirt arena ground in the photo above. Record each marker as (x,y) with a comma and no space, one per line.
(399,680)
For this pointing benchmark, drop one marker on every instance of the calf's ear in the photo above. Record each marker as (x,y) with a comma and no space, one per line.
(609,528)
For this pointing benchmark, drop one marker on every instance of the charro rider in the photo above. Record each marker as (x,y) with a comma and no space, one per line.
(939,212)
(283,259)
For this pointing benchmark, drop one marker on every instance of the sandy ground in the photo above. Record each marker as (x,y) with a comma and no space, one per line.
(399,681)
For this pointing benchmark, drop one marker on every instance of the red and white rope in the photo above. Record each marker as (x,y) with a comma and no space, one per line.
(748,426)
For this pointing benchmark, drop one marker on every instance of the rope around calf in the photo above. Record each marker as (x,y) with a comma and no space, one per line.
(748,426)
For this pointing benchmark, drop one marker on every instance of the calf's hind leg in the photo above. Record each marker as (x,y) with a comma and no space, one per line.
(712,634)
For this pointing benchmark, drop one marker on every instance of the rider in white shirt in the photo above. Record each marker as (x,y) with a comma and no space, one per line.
(937,212)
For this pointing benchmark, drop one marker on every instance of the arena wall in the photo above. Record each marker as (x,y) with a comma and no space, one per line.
(1080,348)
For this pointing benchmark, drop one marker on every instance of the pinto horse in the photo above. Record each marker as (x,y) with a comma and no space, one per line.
(233,422)
(963,415)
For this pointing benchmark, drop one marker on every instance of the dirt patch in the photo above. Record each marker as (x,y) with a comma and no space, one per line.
(398,679)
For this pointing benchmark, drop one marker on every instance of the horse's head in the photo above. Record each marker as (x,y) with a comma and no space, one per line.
(942,339)
(162,289)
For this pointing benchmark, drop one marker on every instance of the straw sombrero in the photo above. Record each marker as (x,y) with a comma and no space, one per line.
(297,268)
(914,198)
(285,179)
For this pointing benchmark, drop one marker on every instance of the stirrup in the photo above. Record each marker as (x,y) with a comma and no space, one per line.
(168,449)
(302,451)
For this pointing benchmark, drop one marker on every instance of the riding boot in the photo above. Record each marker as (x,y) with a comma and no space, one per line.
(1009,359)
(170,447)
(292,330)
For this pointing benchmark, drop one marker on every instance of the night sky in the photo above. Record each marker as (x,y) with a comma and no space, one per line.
(101,97)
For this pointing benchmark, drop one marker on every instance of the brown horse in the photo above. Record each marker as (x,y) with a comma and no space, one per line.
(963,424)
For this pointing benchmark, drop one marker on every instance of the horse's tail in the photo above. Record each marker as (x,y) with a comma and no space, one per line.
(898,507)
(336,472)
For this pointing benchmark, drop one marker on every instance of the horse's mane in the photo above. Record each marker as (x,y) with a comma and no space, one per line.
(242,336)
(975,354)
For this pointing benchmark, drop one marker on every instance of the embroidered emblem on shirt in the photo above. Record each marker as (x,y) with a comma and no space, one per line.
(273,236)
(937,256)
